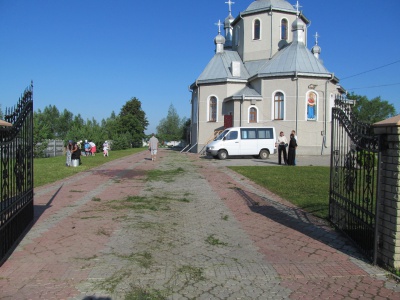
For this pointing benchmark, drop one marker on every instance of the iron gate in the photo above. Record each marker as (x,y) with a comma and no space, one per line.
(16,171)
(354,178)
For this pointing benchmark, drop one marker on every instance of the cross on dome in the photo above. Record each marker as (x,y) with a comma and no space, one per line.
(297,6)
(219,24)
(230,5)
(316,38)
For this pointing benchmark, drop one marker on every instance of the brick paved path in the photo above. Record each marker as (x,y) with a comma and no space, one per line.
(180,228)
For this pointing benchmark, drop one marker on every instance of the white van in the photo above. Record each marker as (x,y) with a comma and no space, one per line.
(256,141)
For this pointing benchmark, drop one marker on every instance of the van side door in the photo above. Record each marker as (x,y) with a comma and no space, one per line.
(248,142)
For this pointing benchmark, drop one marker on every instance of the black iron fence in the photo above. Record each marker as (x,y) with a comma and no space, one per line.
(16,172)
(354,178)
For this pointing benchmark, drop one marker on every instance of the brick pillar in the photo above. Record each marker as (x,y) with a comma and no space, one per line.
(389,186)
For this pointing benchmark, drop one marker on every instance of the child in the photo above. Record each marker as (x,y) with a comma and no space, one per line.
(106,147)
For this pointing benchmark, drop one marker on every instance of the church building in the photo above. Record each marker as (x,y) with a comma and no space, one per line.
(263,74)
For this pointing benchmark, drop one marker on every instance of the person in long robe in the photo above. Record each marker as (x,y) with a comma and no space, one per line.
(292,150)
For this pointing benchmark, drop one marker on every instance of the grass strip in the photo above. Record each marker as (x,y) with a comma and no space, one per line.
(306,187)
(48,170)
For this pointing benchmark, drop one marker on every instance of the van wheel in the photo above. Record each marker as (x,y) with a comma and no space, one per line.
(264,154)
(222,154)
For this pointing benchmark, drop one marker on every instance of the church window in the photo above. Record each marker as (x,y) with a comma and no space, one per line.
(252,115)
(257,29)
(212,109)
(284,29)
(312,106)
(279,101)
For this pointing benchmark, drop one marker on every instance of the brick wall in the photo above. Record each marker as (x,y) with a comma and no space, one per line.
(388,253)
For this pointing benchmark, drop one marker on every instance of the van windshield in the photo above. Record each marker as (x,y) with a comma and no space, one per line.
(221,135)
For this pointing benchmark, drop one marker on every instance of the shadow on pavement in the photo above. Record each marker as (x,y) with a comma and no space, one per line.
(38,210)
(301,221)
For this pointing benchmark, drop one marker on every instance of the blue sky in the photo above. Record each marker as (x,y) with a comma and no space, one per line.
(92,56)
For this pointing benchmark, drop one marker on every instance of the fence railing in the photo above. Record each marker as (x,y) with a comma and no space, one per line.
(354,178)
(16,173)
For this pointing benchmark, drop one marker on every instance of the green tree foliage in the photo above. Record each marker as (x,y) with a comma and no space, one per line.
(371,111)
(122,129)
(130,123)
(65,122)
(171,127)
(51,117)
(41,133)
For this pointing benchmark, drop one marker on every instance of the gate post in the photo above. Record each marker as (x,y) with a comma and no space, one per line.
(388,222)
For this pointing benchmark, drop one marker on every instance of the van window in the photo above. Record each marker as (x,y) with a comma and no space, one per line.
(248,133)
(265,133)
(221,136)
(233,135)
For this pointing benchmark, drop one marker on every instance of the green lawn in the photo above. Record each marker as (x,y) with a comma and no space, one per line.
(47,170)
(305,187)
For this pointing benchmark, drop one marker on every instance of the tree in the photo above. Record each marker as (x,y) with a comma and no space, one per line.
(41,133)
(371,111)
(51,116)
(131,120)
(171,127)
(64,124)
(124,129)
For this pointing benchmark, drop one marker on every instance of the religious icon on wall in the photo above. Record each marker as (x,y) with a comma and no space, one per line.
(312,106)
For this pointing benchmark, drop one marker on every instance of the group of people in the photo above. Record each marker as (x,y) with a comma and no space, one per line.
(90,148)
(74,151)
(289,158)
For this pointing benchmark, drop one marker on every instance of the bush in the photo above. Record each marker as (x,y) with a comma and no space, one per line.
(39,149)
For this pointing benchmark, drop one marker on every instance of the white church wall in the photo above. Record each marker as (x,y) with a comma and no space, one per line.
(270,40)
(233,88)
(208,127)
(238,37)
(307,130)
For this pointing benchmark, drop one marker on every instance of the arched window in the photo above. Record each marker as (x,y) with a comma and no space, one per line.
(212,117)
(279,105)
(284,29)
(257,29)
(253,115)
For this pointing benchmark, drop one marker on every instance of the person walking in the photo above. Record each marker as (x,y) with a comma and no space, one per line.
(282,144)
(153,147)
(292,151)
